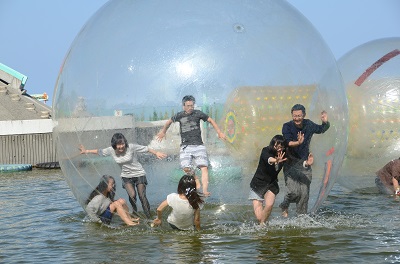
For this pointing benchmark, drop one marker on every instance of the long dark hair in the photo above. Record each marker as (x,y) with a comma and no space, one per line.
(187,186)
(118,138)
(103,185)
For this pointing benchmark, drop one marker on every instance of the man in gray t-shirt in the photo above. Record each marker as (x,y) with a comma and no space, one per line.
(192,147)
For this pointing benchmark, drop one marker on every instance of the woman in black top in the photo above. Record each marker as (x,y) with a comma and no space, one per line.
(264,185)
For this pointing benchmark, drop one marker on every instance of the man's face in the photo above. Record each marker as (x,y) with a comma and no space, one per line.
(298,117)
(188,107)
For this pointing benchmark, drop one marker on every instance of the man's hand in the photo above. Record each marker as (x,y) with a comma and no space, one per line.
(300,138)
(324,116)
(222,136)
(310,159)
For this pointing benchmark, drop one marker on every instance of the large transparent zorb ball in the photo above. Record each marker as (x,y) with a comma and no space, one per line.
(246,63)
(371,73)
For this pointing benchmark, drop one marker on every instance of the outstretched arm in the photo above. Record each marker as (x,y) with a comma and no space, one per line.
(87,151)
(159,155)
(163,131)
(221,135)
(160,209)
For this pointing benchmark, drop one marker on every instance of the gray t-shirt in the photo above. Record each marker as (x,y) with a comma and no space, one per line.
(190,126)
(97,206)
(130,166)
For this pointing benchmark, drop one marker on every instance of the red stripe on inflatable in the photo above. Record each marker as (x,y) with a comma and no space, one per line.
(376,65)
(325,184)
(330,152)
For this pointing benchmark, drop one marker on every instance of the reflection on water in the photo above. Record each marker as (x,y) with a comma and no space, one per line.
(42,222)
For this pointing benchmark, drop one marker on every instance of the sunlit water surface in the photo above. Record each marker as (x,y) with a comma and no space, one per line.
(41,222)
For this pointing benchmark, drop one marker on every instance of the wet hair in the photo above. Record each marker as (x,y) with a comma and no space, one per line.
(277,140)
(188,98)
(298,107)
(187,186)
(103,185)
(118,138)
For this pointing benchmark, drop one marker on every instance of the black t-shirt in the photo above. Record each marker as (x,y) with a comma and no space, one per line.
(289,132)
(190,126)
(265,174)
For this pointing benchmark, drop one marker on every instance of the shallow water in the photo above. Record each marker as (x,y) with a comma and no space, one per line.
(42,222)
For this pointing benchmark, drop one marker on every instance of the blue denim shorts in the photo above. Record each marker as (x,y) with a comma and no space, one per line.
(106,216)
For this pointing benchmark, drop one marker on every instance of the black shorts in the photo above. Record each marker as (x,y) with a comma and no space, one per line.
(135,181)
(262,190)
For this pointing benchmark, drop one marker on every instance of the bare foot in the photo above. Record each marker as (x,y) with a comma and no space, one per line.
(206,194)
(263,224)
(135,219)
(285,213)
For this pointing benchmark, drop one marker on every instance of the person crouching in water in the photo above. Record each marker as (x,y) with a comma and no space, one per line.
(387,178)
(186,205)
(264,185)
(100,205)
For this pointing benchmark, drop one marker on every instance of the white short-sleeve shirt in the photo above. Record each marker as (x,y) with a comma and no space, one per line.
(182,212)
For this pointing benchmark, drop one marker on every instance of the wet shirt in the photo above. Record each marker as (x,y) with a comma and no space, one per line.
(190,126)
(97,206)
(182,214)
(389,171)
(130,166)
(265,173)
(290,130)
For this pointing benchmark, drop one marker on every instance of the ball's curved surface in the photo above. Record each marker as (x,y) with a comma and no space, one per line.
(246,63)
(371,73)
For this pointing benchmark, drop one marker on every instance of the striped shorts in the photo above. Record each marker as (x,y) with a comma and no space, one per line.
(193,153)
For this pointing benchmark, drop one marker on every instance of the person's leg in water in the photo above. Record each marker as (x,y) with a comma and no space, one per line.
(130,189)
(302,203)
(286,200)
(204,180)
(119,206)
(304,192)
(292,189)
(201,159)
(263,213)
(186,160)
(141,188)
(290,196)
(304,182)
